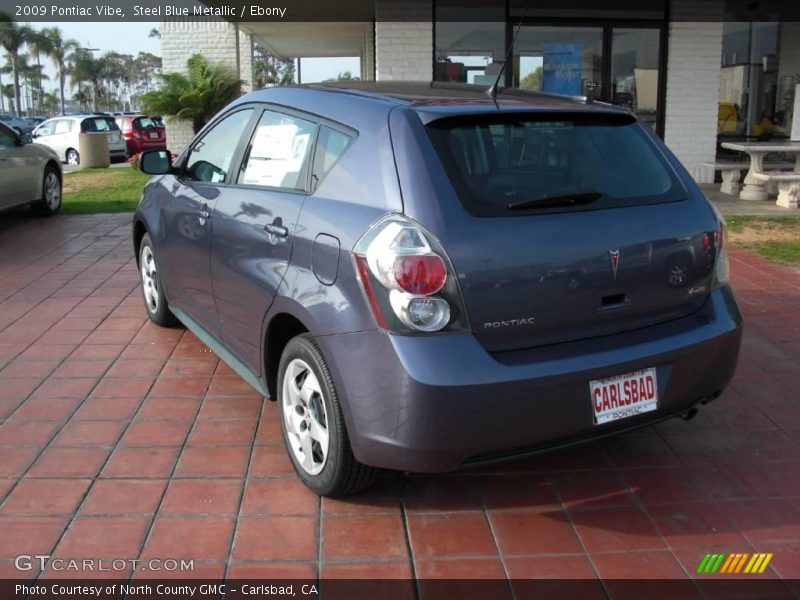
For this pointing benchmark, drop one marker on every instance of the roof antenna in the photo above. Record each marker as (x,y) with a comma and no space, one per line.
(492,91)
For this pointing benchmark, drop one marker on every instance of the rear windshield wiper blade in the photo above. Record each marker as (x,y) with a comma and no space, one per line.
(579,197)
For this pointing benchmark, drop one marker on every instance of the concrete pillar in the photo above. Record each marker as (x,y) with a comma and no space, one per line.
(368,54)
(404,40)
(693,80)
(217,41)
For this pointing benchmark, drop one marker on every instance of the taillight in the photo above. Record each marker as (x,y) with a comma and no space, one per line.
(424,275)
(722,265)
(407,278)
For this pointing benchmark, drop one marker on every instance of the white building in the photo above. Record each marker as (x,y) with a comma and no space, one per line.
(688,68)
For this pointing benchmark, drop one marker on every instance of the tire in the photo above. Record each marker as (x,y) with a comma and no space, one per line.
(333,473)
(50,204)
(155,302)
(73,158)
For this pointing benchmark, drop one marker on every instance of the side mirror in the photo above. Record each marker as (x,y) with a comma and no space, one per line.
(25,138)
(155,162)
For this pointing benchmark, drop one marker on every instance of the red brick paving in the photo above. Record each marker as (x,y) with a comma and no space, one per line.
(109,423)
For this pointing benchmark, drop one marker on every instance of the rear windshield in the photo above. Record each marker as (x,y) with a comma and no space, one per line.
(496,161)
(145,123)
(99,124)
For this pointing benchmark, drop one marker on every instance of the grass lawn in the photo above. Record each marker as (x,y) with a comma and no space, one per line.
(775,238)
(102,190)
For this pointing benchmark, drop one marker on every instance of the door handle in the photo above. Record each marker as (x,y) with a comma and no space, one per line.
(277,230)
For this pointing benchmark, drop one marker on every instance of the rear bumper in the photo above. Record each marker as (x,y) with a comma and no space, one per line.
(433,404)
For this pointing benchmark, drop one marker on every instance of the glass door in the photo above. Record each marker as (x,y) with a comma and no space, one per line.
(624,64)
(560,60)
(636,72)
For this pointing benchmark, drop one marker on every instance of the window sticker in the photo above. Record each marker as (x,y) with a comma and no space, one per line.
(277,152)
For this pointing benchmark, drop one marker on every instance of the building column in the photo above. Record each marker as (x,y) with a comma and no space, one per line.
(368,54)
(217,41)
(404,40)
(693,80)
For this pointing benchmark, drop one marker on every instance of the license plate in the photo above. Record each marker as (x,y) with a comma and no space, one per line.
(624,396)
(153,136)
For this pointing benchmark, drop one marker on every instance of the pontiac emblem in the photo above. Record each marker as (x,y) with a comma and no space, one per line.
(613,255)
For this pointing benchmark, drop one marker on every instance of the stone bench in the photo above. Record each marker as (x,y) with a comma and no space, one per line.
(731,172)
(788,186)
(731,175)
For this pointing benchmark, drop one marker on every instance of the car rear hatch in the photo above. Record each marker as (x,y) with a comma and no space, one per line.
(576,226)
(101,124)
(148,131)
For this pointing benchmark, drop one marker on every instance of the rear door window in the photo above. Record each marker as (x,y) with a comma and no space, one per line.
(63,126)
(331,145)
(498,161)
(278,153)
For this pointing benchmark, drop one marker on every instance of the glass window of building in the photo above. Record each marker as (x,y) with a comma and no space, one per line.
(754,100)
(470,49)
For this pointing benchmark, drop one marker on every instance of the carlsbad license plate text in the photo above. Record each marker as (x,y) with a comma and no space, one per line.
(624,396)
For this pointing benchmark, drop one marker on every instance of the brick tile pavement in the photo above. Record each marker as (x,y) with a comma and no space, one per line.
(107,422)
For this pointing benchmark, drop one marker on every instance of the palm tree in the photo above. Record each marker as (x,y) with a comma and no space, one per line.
(85,68)
(12,38)
(40,43)
(82,98)
(196,96)
(50,103)
(59,54)
(147,66)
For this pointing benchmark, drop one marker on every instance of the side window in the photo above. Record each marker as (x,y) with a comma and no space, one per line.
(330,147)
(46,128)
(278,152)
(63,126)
(7,139)
(210,158)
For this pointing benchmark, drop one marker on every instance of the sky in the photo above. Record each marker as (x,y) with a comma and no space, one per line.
(132,38)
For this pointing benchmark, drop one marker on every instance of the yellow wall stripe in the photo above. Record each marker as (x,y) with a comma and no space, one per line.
(752,563)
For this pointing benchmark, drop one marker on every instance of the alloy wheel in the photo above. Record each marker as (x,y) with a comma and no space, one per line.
(52,191)
(149,279)
(305,417)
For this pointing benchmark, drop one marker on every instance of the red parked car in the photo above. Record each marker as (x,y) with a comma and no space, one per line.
(141,133)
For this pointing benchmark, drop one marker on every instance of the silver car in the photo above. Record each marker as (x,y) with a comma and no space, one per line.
(30,173)
(62,134)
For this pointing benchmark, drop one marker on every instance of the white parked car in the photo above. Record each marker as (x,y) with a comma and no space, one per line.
(30,173)
(62,135)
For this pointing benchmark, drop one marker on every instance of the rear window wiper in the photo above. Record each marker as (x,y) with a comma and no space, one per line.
(578,197)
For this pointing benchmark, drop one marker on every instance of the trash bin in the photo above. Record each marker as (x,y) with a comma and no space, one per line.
(93,148)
